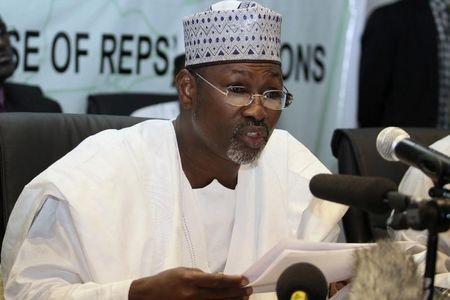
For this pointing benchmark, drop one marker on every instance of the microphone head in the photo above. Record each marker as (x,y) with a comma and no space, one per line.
(302,277)
(385,272)
(387,139)
(366,193)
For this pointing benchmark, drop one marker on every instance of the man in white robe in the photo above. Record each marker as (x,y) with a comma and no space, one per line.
(176,209)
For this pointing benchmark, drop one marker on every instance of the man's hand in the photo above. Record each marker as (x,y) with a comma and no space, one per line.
(336,287)
(185,283)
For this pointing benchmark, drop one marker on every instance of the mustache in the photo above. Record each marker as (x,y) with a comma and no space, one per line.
(251,123)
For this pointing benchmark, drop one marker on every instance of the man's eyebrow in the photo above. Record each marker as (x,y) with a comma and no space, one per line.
(273,73)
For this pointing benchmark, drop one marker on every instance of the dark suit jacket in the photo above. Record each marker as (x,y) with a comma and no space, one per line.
(399,67)
(27,98)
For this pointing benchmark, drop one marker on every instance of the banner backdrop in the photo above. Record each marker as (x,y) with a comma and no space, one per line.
(75,48)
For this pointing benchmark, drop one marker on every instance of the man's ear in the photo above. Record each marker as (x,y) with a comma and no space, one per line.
(187,88)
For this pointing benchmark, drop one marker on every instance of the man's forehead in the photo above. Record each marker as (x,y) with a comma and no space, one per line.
(246,68)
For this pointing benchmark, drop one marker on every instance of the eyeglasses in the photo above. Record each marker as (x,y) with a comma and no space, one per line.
(240,96)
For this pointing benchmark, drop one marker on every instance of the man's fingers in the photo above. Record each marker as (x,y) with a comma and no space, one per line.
(219,280)
(221,286)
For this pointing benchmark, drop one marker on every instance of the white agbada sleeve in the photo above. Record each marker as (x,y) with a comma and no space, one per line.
(417,184)
(51,264)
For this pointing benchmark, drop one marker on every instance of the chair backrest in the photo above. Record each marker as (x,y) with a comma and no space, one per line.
(357,155)
(30,142)
(124,103)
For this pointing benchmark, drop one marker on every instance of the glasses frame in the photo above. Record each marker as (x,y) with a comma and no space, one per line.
(288,101)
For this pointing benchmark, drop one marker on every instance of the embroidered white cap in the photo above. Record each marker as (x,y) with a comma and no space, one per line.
(232,31)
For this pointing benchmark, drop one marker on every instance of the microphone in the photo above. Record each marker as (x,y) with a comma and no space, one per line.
(384,271)
(302,281)
(366,193)
(378,195)
(394,144)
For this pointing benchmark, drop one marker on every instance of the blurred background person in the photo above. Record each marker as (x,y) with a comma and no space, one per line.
(405,65)
(18,97)
(166,110)
(417,184)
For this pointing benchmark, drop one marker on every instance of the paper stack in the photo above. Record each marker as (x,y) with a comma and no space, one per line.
(335,260)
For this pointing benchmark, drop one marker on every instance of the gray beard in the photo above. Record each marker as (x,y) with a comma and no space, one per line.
(238,153)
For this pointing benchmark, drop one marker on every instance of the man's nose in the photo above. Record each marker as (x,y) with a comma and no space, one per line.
(256,109)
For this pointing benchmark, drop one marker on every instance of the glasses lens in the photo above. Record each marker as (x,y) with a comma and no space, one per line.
(238,96)
(275,99)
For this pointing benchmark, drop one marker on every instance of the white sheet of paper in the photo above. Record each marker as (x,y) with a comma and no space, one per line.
(335,260)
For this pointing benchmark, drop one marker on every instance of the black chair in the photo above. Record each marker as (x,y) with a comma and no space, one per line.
(357,155)
(30,142)
(125,103)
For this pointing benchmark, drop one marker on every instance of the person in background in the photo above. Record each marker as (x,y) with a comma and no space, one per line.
(177,209)
(167,110)
(417,184)
(405,65)
(16,97)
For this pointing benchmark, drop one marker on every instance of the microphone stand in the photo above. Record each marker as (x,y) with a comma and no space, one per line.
(430,264)
(435,213)
(432,215)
